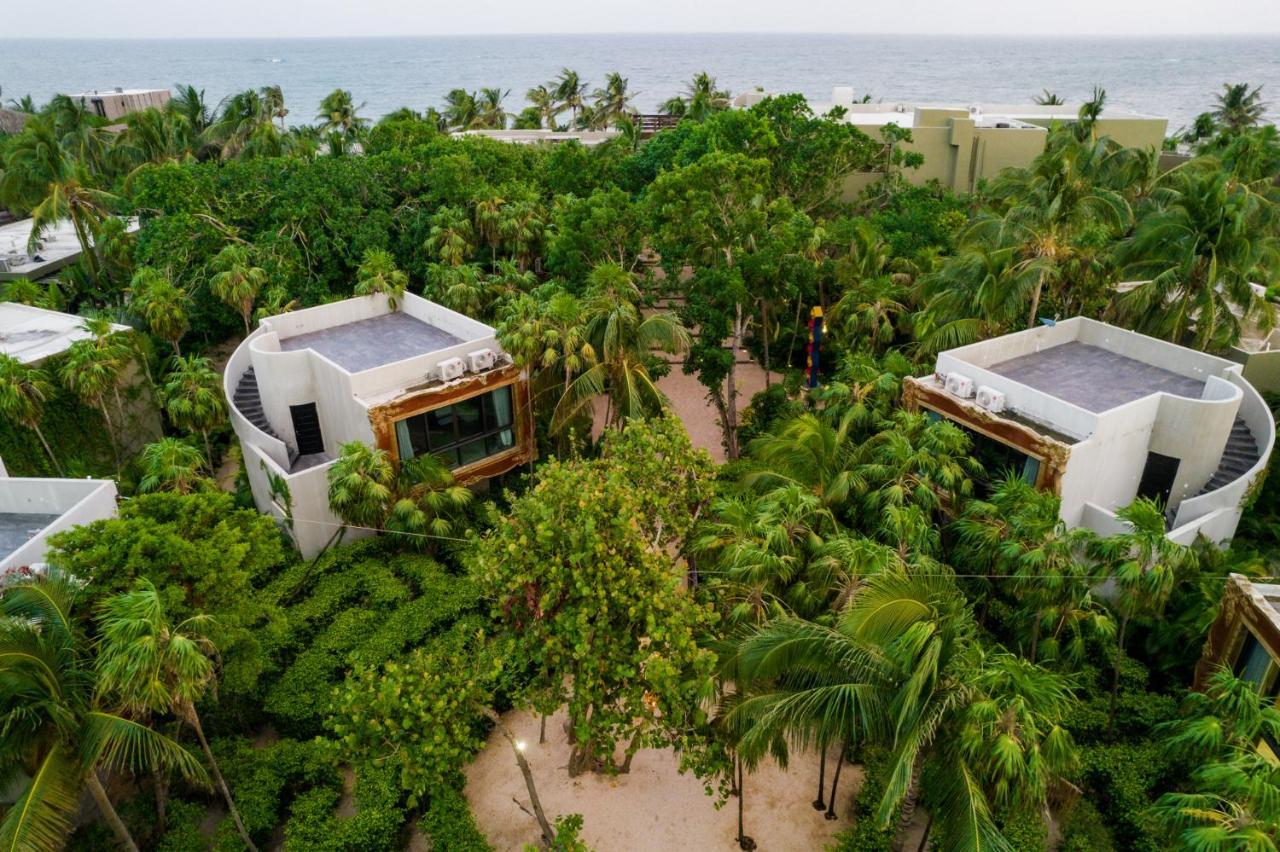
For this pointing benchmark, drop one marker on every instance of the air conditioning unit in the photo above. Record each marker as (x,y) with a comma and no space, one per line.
(481,360)
(991,399)
(452,368)
(958,385)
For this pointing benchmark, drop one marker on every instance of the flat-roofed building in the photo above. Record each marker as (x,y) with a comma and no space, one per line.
(589,138)
(57,247)
(414,379)
(116,103)
(1101,415)
(31,510)
(965,143)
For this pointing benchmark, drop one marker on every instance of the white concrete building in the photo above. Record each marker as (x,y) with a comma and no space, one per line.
(57,247)
(416,379)
(589,138)
(31,510)
(33,335)
(1101,415)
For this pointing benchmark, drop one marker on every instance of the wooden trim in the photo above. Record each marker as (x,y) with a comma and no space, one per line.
(1244,610)
(383,419)
(1050,452)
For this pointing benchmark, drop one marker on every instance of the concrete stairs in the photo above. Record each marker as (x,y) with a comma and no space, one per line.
(1240,454)
(248,402)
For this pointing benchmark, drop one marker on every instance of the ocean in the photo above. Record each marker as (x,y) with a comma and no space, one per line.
(1173,77)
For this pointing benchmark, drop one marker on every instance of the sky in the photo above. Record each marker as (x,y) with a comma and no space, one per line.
(326,18)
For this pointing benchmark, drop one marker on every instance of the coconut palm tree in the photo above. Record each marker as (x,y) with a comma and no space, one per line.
(1199,254)
(461,111)
(623,341)
(193,398)
(521,224)
(570,90)
(91,372)
(273,103)
(546,332)
(171,464)
(612,102)
(339,113)
(151,665)
(378,273)
(415,499)
(161,304)
(1239,107)
(1047,98)
(189,103)
(489,110)
(23,391)
(236,281)
(55,729)
(1090,112)
(241,117)
(543,101)
(701,98)
(812,452)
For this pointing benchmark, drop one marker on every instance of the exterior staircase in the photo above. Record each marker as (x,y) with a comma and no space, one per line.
(1240,455)
(248,402)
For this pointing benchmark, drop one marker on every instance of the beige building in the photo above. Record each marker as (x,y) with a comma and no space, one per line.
(1101,415)
(114,104)
(963,144)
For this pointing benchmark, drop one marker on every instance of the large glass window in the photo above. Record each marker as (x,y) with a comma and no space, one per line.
(462,433)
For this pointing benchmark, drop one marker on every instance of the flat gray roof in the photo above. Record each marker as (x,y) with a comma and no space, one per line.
(1093,378)
(374,342)
(18,528)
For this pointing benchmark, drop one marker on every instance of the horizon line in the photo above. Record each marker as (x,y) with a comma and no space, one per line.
(640,33)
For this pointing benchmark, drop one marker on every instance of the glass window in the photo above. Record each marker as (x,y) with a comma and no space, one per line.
(462,433)
(1253,662)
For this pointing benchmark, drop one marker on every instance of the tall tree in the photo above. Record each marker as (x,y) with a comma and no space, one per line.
(378,273)
(193,398)
(236,280)
(1239,107)
(570,91)
(170,464)
(162,305)
(23,392)
(340,113)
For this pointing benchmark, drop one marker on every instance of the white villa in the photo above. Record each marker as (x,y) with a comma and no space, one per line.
(1101,415)
(417,378)
(31,510)
(58,246)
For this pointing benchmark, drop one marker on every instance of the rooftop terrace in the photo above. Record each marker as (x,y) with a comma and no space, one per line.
(34,334)
(18,528)
(59,246)
(1093,378)
(373,342)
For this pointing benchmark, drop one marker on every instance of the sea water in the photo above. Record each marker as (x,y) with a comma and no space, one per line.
(1172,77)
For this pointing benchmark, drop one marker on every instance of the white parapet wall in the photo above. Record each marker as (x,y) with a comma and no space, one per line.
(75,502)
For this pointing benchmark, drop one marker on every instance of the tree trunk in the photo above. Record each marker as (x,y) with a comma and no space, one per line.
(818,803)
(111,435)
(208,449)
(744,842)
(193,718)
(764,326)
(1035,636)
(542,730)
(908,811)
(161,781)
(1115,674)
(108,812)
(924,838)
(835,783)
(548,835)
(52,458)
(1035,301)
(731,390)
(177,349)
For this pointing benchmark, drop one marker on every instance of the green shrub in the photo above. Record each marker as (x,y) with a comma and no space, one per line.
(376,824)
(1120,779)
(1084,831)
(450,825)
(182,832)
(866,835)
(1025,830)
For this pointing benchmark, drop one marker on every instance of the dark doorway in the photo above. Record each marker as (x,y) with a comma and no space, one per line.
(306,429)
(1157,477)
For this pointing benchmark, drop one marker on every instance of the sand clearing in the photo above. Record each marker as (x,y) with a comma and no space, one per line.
(652,808)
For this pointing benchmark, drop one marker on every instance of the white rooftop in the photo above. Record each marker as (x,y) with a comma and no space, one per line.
(588,138)
(115,90)
(31,510)
(33,334)
(58,247)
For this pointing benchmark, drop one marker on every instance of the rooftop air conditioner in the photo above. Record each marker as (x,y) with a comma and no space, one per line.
(452,368)
(991,399)
(481,360)
(958,385)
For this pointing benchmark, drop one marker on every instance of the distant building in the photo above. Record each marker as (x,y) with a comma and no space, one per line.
(589,138)
(58,247)
(416,379)
(113,104)
(31,510)
(1101,415)
(12,121)
(963,144)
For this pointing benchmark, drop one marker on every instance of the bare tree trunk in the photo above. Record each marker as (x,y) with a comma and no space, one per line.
(161,781)
(908,811)
(1035,301)
(731,390)
(193,719)
(924,838)
(764,325)
(548,835)
(542,730)
(744,842)
(116,825)
(52,458)
(818,803)
(835,783)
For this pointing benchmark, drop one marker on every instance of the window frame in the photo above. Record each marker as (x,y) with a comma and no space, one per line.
(486,434)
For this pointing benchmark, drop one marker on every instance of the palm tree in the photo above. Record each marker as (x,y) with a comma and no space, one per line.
(452,237)
(1047,98)
(53,727)
(23,391)
(520,227)
(463,288)
(489,110)
(612,102)
(488,222)
(623,341)
(242,117)
(193,398)
(1090,112)
(91,372)
(338,113)
(701,99)
(378,273)
(570,90)
(273,103)
(189,103)
(162,305)
(461,111)
(543,101)
(151,665)
(1200,253)
(414,499)
(1239,107)
(236,281)
(546,331)
(812,452)
(1144,566)
(171,464)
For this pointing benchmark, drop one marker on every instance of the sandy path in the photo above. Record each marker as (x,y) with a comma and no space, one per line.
(652,808)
